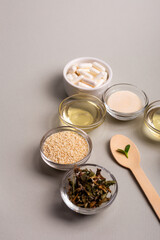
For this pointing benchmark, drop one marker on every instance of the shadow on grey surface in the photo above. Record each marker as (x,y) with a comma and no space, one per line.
(134,122)
(61,211)
(42,168)
(54,121)
(55,87)
(108,149)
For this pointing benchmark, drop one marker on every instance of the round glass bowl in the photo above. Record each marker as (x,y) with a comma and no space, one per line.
(152,118)
(130,88)
(88,211)
(83,111)
(65,166)
(71,88)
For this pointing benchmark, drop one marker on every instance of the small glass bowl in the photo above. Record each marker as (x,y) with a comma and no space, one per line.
(125,87)
(85,106)
(88,211)
(148,118)
(65,167)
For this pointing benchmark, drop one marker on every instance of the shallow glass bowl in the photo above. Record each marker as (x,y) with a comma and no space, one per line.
(152,118)
(83,111)
(65,166)
(88,211)
(125,87)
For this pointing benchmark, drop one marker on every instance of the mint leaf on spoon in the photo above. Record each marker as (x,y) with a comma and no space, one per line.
(125,151)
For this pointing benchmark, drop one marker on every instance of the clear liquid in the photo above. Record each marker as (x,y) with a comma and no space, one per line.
(82,113)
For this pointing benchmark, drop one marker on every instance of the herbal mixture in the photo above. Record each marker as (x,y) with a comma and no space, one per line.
(88,189)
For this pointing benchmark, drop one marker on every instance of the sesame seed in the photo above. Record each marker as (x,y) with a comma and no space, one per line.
(65,147)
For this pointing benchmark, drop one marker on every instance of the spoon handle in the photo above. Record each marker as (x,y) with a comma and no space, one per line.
(148,189)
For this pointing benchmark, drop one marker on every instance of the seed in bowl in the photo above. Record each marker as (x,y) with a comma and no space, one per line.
(87,75)
(65,147)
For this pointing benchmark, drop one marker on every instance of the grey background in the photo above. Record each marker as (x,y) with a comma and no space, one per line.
(37,39)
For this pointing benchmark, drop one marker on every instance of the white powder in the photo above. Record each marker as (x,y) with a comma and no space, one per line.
(124,102)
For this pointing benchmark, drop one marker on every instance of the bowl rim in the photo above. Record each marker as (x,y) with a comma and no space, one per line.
(81,126)
(87,211)
(147,110)
(110,73)
(66,128)
(120,114)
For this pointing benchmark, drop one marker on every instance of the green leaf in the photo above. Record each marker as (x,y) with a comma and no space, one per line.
(121,151)
(126,154)
(125,151)
(127,148)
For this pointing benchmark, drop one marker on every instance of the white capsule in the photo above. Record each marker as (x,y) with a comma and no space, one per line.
(88,75)
(72,69)
(74,75)
(84,73)
(81,84)
(100,82)
(85,65)
(94,71)
(89,81)
(69,77)
(76,80)
(99,76)
(82,70)
(98,66)
(105,75)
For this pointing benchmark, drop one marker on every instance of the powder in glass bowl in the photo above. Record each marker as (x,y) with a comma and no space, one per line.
(65,147)
(124,102)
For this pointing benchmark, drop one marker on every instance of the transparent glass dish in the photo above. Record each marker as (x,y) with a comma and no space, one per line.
(88,211)
(83,111)
(125,87)
(59,166)
(152,118)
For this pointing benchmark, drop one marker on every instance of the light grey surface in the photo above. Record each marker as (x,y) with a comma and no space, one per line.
(37,39)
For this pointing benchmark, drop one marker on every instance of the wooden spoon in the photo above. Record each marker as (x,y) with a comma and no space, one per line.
(133,163)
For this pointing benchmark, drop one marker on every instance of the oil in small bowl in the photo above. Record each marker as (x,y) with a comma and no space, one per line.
(152,118)
(83,111)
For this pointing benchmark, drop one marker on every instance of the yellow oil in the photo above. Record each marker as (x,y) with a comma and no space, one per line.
(153,119)
(82,113)
(156,119)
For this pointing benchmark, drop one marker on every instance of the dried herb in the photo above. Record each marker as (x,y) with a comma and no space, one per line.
(125,151)
(88,189)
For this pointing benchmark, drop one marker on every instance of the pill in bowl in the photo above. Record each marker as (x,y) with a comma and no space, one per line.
(87,75)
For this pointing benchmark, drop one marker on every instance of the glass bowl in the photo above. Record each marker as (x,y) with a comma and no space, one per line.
(83,111)
(88,211)
(59,166)
(125,87)
(152,118)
